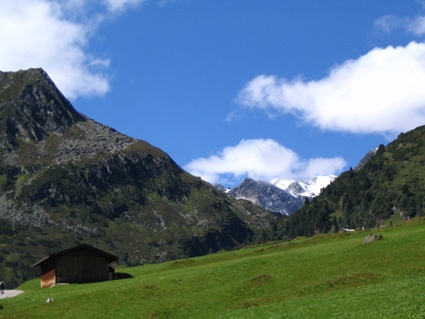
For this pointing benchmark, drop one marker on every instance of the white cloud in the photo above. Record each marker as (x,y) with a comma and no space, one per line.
(261,159)
(389,23)
(321,166)
(35,34)
(55,35)
(417,26)
(382,91)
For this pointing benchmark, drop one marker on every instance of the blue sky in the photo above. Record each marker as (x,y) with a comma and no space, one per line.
(233,88)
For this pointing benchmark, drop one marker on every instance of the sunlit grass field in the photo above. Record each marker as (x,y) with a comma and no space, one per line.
(327,276)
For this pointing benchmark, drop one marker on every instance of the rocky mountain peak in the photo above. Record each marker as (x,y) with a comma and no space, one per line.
(66,179)
(366,159)
(267,195)
(280,195)
(34,112)
(31,108)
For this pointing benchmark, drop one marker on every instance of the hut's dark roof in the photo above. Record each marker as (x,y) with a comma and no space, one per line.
(109,256)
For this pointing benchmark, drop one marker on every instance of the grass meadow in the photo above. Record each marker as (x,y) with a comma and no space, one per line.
(327,276)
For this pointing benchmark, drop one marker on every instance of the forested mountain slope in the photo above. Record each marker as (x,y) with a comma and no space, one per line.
(391,184)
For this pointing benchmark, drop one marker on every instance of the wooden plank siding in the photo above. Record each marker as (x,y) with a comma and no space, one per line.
(79,264)
(48,279)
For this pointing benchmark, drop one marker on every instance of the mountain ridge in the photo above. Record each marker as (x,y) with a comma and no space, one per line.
(66,179)
(280,195)
(387,188)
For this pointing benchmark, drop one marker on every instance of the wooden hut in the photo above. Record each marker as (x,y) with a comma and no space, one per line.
(79,264)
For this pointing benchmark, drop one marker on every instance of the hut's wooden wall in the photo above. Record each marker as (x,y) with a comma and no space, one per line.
(81,266)
(48,274)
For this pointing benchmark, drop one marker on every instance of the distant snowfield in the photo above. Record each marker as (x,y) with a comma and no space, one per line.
(309,188)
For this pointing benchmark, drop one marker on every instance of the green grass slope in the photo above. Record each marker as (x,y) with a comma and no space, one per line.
(326,276)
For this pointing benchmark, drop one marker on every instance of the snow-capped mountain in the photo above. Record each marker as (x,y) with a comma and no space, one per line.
(280,195)
(309,188)
(267,195)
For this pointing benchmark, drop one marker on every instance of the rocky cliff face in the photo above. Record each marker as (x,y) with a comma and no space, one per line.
(366,159)
(267,196)
(31,108)
(281,195)
(65,179)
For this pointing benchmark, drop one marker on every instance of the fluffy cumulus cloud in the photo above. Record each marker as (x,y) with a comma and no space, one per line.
(54,35)
(382,91)
(260,159)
